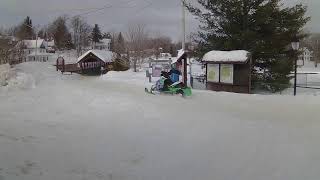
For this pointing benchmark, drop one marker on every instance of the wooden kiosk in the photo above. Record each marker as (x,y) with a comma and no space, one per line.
(228,71)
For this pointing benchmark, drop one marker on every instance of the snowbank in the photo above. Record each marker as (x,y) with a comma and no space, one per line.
(5,74)
(78,127)
(226,56)
(21,81)
(11,80)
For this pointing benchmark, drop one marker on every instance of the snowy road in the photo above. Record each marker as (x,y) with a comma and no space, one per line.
(70,127)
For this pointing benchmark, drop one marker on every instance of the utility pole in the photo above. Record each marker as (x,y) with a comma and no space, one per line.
(317,55)
(184,61)
(183,25)
(35,55)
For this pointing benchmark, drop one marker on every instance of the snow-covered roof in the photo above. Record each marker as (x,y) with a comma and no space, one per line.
(32,44)
(165,55)
(103,42)
(226,56)
(106,56)
(181,52)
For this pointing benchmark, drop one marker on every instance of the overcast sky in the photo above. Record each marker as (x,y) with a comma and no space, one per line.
(160,16)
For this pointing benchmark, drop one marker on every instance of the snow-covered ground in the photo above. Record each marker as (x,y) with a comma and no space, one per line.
(106,128)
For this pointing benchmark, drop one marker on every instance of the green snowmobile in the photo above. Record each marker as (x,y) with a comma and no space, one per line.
(175,88)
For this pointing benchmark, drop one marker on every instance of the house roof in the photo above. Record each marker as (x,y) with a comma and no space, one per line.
(32,44)
(237,56)
(181,52)
(103,42)
(106,56)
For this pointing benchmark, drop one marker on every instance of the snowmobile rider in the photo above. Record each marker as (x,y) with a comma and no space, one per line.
(164,82)
(174,74)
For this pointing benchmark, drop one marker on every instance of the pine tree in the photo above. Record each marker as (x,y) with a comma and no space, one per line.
(113,44)
(107,35)
(120,44)
(96,34)
(25,30)
(60,32)
(263,27)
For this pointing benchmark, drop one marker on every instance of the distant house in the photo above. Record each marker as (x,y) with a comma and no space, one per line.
(34,50)
(306,55)
(104,44)
(50,46)
(51,43)
(165,55)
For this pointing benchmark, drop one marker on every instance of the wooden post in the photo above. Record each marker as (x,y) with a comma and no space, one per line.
(63,66)
(185,71)
(57,64)
(206,78)
(150,74)
(250,66)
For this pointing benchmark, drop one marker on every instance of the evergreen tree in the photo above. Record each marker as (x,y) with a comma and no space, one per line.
(107,36)
(25,29)
(264,27)
(68,42)
(113,44)
(60,32)
(96,34)
(120,44)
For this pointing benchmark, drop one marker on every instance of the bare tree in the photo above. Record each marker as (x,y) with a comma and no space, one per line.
(159,44)
(10,51)
(137,37)
(81,33)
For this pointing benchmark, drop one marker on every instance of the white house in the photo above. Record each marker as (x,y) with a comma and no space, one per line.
(34,50)
(165,55)
(306,55)
(104,44)
(51,43)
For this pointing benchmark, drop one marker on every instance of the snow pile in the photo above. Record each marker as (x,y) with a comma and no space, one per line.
(21,81)
(129,77)
(226,56)
(5,74)
(78,127)
(11,80)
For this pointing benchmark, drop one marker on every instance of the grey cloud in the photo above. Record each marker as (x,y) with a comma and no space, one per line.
(160,16)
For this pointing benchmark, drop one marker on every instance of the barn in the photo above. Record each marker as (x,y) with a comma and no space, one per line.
(95,62)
